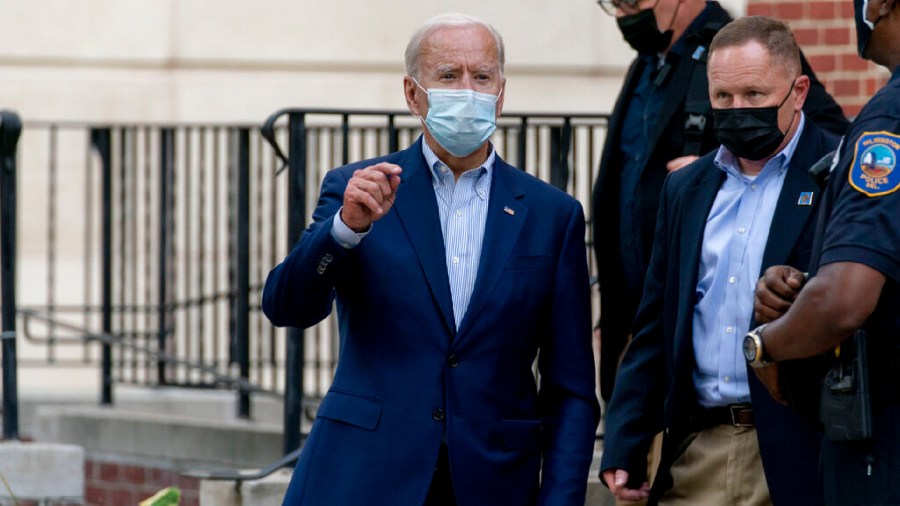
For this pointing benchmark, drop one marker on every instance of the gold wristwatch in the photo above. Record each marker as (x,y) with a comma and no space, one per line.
(754,350)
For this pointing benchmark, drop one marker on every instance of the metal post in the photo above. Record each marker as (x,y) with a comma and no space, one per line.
(523,143)
(294,353)
(167,167)
(10,129)
(560,145)
(101,139)
(241,309)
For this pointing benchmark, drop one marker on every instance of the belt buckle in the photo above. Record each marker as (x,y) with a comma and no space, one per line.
(736,410)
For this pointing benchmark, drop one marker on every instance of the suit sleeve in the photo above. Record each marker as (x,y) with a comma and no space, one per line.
(568,401)
(300,290)
(635,412)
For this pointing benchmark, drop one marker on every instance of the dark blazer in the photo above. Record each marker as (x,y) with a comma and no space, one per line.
(666,136)
(407,379)
(654,391)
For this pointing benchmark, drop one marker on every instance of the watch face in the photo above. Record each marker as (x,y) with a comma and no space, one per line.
(749,349)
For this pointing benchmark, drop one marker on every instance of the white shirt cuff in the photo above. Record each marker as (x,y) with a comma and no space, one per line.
(343,235)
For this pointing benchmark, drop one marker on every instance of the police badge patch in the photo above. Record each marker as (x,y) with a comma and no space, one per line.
(874,163)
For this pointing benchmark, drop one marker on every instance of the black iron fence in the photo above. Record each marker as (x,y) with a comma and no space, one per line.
(145,247)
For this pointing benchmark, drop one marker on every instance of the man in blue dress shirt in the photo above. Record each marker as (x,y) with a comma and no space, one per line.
(721,221)
(452,272)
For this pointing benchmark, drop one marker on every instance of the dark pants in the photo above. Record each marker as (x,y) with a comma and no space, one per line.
(865,474)
(441,491)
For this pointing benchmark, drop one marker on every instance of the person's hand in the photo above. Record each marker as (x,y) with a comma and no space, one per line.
(617,478)
(775,292)
(370,195)
(769,376)
(681,161)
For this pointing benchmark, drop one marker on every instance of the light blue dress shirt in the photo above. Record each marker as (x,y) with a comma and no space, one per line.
(737,229)
(462,206)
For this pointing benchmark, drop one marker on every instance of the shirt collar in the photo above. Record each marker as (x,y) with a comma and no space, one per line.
(483,173)
(726,161)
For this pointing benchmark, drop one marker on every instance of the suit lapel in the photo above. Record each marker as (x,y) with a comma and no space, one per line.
(696,204)
(506,215)
(790,217)
(417,210)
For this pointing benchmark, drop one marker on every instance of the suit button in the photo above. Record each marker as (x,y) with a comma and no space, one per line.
(437,414)
(453,361)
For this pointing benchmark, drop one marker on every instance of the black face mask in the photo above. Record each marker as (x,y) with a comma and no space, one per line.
(641,33)
(750,133)
(864,27)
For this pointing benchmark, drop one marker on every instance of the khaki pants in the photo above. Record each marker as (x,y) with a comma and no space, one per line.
(720,467)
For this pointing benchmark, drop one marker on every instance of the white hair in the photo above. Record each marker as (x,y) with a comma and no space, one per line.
(414,48)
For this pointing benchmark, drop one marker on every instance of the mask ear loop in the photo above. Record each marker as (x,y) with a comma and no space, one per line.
(782,104)
(421,118)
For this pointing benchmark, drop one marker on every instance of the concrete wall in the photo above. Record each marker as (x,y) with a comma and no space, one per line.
(232,60)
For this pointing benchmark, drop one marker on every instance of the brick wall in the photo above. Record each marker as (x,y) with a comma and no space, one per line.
(117,483)
(826,32)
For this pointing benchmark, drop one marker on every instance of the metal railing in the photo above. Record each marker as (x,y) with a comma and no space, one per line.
(147,245)
(10,130)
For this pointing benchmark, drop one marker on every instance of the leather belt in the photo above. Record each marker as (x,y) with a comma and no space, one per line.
(737,415)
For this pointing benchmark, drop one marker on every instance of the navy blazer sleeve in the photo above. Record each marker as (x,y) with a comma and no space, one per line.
(635,413)
(299,292)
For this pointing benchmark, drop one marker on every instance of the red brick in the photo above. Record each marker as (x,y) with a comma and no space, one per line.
(872,85)
(109,472)
(760,9)
(787,11)
(159,476)
(134,475)
(806,36)
(95,496)
(821,10)
(846,12)
(188,483)
(853,62)
(837,36)
(846,87)
(822,62)
(89,469)
(124,497)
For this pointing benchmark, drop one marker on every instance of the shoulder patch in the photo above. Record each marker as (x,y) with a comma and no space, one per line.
(874,162)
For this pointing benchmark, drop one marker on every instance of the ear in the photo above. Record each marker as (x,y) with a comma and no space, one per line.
(801,89)
(499,107)
(886,7)
(414,100)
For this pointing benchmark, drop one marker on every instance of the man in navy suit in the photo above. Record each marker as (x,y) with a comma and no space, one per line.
(452,272)
(722,220)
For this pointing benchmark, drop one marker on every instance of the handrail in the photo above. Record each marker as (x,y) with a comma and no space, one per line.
(119,340)
(244,475)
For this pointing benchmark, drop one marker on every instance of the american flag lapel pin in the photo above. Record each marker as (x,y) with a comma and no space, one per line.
(509,211)
(806,199)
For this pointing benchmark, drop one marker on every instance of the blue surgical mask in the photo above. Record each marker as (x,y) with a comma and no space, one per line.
(460,120)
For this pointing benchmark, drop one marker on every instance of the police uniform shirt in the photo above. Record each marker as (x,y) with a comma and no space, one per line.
(862,206)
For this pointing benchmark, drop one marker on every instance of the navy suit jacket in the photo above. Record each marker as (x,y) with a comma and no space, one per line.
(654,389)
(407,379)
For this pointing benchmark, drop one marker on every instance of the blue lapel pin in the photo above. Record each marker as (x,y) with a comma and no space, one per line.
(806,199)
